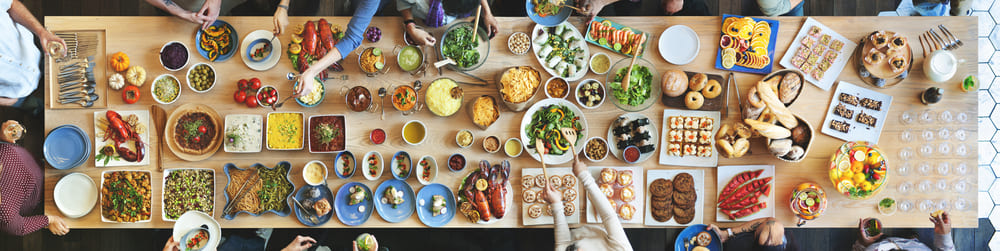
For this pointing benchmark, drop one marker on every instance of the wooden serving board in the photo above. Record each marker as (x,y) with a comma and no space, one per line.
(100,71)
(168,134)
(882,70)
(713,104)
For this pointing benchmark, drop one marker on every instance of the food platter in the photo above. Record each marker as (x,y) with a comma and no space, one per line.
(690,232)
(850,100)
(317,39)
(284,138)
(66,147)
(180,121)
(699,190)
(223,36)
(327,133)
(628,119)
(424,205)
(710,104)
(271,60)
(529,143)
(483,47)
(880,73)
(679,44)
(233,186)
(727,173)
(193,220)
(244,133)
(400,212)
(357,214)
(752,44)
(544,218)
(110,184)
(637,186)
(606,34)
(462,196)
(859,170)
(303,195)
(548,41)
(632,103)
(666,158)
(190,188)
(548,20)
(75,195)
(141,121)
(840,51)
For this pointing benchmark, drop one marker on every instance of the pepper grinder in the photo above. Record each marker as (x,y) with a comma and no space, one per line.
(931,95)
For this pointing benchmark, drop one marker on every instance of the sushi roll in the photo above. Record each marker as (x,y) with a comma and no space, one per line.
(553,61)
(545,51)
(640,136)
(642,121)
(623,144)
(620,130)
(647,148)
(642,129)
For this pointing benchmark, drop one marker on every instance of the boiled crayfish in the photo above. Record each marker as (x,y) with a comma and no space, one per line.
(120,132)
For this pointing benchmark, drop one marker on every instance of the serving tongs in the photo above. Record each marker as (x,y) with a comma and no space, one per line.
(240,193)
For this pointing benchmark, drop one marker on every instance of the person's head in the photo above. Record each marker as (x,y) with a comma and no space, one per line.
(770,235)
(459,7)
(573,247)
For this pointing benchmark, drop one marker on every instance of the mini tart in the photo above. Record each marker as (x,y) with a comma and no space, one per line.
(879,40)
(569,209)
(607,190)
(529,196)
(555,181)
(898,63)
(608,176)
(569,195)
(626,194)
(625,178)
(897,42)
(527,181)
(569,181)
(535,211)
(540,181)
(703,239)
(874,57)
(626,211)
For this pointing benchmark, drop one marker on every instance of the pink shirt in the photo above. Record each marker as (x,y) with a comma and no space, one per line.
(20,191)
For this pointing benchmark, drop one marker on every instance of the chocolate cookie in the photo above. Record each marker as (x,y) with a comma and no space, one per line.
(685,200)
(663,214)
(661,188)
(683,216)
(661,202)
(684,183)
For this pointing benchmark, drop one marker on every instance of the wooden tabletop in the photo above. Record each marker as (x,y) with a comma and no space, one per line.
(142,37)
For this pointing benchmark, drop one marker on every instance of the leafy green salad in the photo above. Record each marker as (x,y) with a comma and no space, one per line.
(545,125)
(639,86)
(460,46)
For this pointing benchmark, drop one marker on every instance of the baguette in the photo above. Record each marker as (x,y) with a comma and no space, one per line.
(768,130)
(779,110)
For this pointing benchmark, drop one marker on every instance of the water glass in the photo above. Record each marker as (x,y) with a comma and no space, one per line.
(927,116)
(944,133)
(926,150)
(945,116)
(905,187)
(927,206)
(906,136)
(907,117)
(944,148)
(943,168)
(961,186)
(905,205)
(924,186)
(961,135)
(927,135)
(961,204)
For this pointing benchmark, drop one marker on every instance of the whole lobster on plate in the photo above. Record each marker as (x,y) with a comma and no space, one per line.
(120,132)
(489,200)
(318,39)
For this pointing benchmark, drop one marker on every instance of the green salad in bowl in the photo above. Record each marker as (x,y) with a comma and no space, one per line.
(643,89)
(467,51)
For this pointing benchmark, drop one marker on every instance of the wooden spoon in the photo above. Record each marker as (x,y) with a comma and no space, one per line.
(475,28)
(540,147)
(628,74)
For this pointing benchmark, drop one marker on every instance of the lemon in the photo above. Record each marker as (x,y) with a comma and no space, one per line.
(866,186)
(297,30)
(296,39)
(859,178)
(294,48)
(843,165)
(844,185)
(859,155)
(481,184)
(873,157)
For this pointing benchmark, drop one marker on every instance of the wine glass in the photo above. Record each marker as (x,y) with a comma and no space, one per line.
(907,117)
(961,186)
(906,153)
(945,116)
(944,148)
(906,136)
(942,185)
(943,168)
(924,186)
(926,150)
(943,204)
(905,187)
(961,135)
(962,150)
(961,204)
(926,205)
(927,135)
(944,133)
(962,117)
(961,168)
(905,205)
(924,168)
(905,168)
(927,116)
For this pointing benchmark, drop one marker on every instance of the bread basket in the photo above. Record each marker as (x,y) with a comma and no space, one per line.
(520,106)
(808,142)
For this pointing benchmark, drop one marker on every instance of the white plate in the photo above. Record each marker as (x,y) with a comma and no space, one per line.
(666,159)
(637,187)
(545,219)
(679,44)
(75,195)
(100,143)
(256,123)
(163,187)
(726,173)
(193,220)
(576,34)
(858,131)
(629,117)
(549,158)
(699,189)
(276,52)
(838,65)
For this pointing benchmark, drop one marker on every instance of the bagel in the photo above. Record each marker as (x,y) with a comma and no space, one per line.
(712,89)
(754,98)
(694,100)
(698,82)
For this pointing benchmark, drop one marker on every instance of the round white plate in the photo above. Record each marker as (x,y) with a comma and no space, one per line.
(193,220)
(629,117)
(549,158)
(679,45)
(75,195)
(276,51)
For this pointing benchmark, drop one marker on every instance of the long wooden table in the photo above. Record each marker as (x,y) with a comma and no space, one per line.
(142,37)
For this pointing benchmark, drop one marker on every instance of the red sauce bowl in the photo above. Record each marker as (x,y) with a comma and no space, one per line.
(377,136)
(631,154)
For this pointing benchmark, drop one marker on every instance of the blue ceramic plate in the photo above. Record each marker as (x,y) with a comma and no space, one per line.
(302,196)
(770,49)
(394,165)
(338,166)
(66,147)
(288,199)
(401,211)
(548,21)
(349,214)
(234,43)
(694,230)
(424,209)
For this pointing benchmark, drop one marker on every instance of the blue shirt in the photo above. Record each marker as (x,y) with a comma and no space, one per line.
(19,57)
(356,27)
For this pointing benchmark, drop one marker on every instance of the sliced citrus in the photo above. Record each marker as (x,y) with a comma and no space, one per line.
(296,38)
(844,185)
(294,48)
(843,165)
(481,184)
(297,30)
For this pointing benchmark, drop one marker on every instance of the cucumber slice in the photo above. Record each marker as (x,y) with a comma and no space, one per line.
(379,65)
(602,41)
(803,196)
(810,203)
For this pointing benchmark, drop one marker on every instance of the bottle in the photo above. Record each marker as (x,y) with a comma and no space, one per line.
(931,95)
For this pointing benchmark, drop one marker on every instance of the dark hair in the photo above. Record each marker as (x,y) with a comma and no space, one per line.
(571,247)
(459,7)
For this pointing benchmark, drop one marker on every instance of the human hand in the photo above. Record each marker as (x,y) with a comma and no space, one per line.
(578,166)
(672,6)
(723,235)
(863,237)
(57,226)
(354,245)
(304,83)
(209,13)
(590,8)
(551,195)
(171,245)
(280,20)
(942,224)
(47,37)
(420,35)
(300,243)
(491,25)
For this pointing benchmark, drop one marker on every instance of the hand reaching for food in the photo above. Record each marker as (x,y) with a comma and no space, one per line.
(300,243)
(942,223)
(280,20)
(551,194)
(421,36)
(171,245)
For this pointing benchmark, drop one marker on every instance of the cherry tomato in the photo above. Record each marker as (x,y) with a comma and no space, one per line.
(202,129)
(243,84)
(254,83)
(197,138)
(240,96)
(273,92)
(251,103)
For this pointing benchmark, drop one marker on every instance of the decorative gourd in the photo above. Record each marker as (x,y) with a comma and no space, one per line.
(136,75)
(119,61)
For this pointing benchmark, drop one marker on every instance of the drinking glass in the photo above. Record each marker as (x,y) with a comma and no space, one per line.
(961,204)
(943,204)
(906,153)
(942,185)
(927,205)
(905,205)
(961,135)
(905,187)
(907,117)
(943,168)
(905,169)
(961,186)
(961,168)
(962,150)
(926,150)
(906,136)
(927,134)
(927,116)
(944,148)
(944,133)
(945,116)
(924,168)
(924,186)
(962,117)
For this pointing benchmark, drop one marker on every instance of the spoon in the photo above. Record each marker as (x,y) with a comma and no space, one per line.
(381,99)
(289,76)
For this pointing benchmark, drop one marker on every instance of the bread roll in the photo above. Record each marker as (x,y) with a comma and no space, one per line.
(780,147)
(768,130)
(674,83)
(796,153)
(741,146)
(770,98)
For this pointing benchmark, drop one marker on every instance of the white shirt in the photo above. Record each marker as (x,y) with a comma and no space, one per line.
(19,57)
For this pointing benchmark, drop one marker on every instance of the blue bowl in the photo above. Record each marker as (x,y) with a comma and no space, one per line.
(253,48)
(288,199)
(322,94)
(394,164)
(301,195)
(66,147)
(549,21)
(336,164)
(234,42)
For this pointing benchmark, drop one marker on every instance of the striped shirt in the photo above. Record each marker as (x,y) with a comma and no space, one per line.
(20,191)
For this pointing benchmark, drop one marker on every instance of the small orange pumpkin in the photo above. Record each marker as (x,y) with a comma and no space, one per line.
(119,61)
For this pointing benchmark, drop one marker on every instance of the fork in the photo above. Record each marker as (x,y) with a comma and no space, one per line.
(944,30)
(947,45)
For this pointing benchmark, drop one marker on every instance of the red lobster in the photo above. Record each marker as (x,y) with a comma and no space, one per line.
(120,133)
(310,39)
(499,174)
(326,35)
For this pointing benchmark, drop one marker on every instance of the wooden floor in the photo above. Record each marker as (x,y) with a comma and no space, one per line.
(402,239)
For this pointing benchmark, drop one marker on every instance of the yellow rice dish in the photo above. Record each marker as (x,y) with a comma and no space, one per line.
(284,131)
(443,97)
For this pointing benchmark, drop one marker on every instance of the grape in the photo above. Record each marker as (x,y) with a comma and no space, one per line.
(373,34)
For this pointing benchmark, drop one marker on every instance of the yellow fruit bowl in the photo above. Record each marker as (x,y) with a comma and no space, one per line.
(858,170)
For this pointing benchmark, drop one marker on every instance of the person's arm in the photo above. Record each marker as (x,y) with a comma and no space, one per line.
(352,39)
(777,7)
(942,233)
(961,7)
(492,26)
(420,36)
(672,6)
(590,8)
(604,210)
(11,221)
(209,12)
(21,15)
(561,227)
(176,10)
(280,17)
